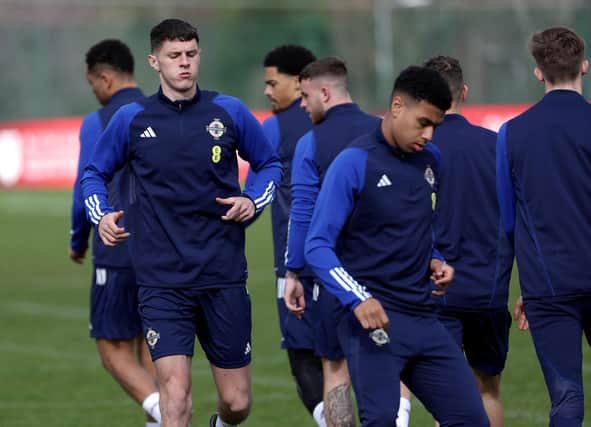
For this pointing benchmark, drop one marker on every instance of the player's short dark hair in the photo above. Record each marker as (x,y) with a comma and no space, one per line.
(451,71)
(172,29)
(423,84)
(110,52)
(328,66)
(558,52)
(289,59)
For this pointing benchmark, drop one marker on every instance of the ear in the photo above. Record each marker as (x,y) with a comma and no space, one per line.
(107,77)
(154,62)
(585,67)
(539,75)
(396,106)
(465,91)
(296,83)
(325,93)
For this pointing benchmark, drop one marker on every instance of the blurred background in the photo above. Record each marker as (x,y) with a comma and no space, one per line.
(43,43)
(50,374)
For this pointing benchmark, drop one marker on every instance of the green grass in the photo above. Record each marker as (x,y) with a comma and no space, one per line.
(50,373)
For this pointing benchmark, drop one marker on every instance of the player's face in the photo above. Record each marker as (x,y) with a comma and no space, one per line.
(413,123)
(281,89)
(312,94)
(99,85)
(177,62)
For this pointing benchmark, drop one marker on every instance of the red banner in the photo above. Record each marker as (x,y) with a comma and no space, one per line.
(44,153)
(39,153)
(492,116)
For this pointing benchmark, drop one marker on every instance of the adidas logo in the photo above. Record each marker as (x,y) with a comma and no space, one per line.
(148,133)
(384,181)
(247,349)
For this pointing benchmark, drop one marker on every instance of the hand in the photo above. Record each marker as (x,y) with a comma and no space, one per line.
(77,257)
(519,314)
(371,315)
(294,295)
(110,233)
(441,274)
(242,208)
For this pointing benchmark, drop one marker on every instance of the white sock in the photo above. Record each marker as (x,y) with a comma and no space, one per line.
(318,415)
(403,413)
(152,424)
(151,405)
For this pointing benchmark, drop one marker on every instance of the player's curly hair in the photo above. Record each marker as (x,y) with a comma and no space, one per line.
(110,52)
(423,84)
(289,59)
(559,53)
(172,29)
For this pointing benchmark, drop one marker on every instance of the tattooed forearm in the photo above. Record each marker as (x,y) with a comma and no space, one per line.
(338,408)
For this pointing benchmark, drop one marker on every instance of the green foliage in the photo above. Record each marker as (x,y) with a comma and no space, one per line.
(51,374)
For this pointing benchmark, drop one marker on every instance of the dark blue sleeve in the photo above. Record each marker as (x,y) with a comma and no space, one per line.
(305,186)
(90,132)
(505,190)
(434,150)
(435,254)
(271,131)
(255,148)
(110,154)
(342,183)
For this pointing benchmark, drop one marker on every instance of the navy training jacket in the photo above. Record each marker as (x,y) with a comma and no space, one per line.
(182,155)
(284,130)
(315,152)
(544,191)
(468,231)
(371,233)
(91,130)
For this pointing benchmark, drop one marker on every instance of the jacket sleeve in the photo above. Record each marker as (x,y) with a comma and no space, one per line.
(505,190)
(434,150)
(256,149)
(305,186)
(90,132)
(343,182)
(110,154)
(271,131)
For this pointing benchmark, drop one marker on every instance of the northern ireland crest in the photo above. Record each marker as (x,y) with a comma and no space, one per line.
(216,129)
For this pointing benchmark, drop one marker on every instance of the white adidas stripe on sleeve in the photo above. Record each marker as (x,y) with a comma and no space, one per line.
(93,217)
(94,210)
(266,198)
(98,205)
(348,283)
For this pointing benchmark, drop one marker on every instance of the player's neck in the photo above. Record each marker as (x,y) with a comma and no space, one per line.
(175,95)
(456,108)
(385,128)
(576,85)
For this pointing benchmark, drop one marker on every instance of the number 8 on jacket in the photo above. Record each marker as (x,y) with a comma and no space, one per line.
(216,153)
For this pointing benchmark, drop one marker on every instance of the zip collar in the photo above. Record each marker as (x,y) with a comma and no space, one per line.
(181,104)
